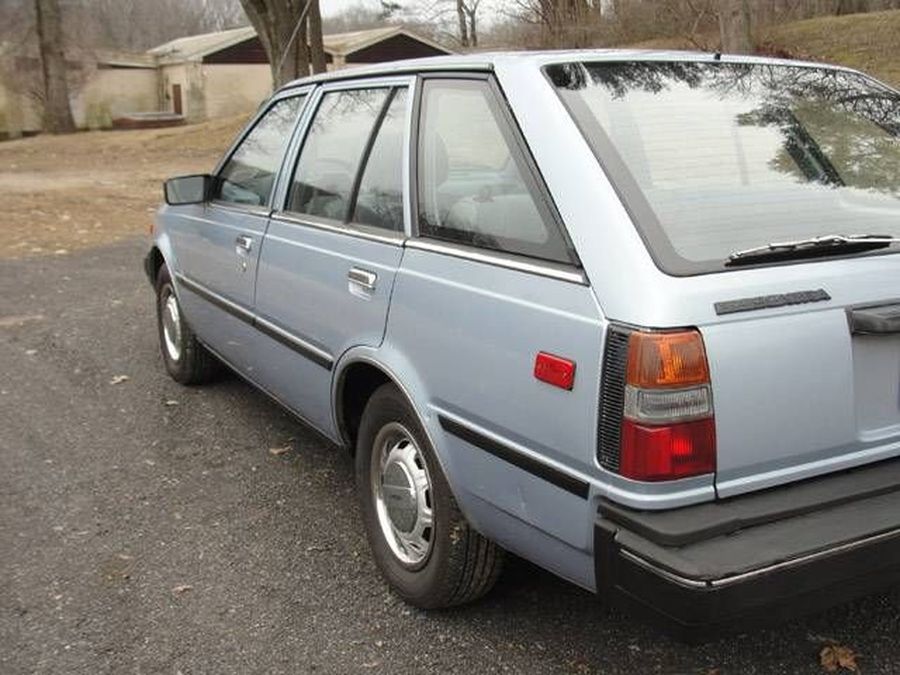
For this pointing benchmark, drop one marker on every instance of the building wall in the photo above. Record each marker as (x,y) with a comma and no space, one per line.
(232,89)
(110,92)
(189,77)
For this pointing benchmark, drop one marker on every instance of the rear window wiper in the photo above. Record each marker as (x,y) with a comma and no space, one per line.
(829,244)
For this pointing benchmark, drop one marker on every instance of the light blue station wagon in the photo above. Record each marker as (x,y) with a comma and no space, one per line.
(632,316)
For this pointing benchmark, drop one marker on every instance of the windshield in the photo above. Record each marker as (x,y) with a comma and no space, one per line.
(713,158)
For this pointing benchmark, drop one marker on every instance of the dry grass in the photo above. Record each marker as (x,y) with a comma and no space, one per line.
(68,192)
(868,42)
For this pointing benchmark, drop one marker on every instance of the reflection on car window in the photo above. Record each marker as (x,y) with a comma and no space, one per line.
(471,188)
(379,202)
(731,156)
(249,174)
(331,154)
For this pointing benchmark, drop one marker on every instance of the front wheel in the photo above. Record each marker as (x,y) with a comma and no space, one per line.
(422,544)
(186,360)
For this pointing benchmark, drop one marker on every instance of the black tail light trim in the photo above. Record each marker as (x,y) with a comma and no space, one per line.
(612,397)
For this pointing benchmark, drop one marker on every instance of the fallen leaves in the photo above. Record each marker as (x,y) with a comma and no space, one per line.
(119,379)
(834,656)
(182,589)
(277,452)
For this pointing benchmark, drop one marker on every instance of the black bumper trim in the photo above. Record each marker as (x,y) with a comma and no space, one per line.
(562,480)
(296,344)
(697,610)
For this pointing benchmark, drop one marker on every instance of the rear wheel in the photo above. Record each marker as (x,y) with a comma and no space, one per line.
(186,360)
(422,544)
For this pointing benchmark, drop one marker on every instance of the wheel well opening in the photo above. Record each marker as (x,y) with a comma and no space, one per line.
(156,262)
(359,382)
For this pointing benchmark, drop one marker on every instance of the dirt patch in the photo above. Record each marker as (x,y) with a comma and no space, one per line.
(62,193)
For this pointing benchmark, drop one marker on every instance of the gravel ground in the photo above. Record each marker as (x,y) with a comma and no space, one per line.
(146,527)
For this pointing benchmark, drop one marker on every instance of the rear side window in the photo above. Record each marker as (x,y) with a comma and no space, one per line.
(474,188)
(249,174)
(336,146)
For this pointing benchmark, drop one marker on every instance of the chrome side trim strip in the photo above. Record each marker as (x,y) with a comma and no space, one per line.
(290,219)
(261,211)
(303,347)
(545,269)
(768,569)
(665,574)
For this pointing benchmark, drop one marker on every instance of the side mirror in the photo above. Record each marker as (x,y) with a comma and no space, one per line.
(194,189)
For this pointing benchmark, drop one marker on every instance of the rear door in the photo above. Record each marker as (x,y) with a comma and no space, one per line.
(334,244)
(217,244)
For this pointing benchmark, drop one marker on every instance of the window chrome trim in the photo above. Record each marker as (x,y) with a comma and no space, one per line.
(246,209)
(542,268)
(290,218)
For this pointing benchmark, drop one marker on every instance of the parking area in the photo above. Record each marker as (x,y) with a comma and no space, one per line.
(151,528)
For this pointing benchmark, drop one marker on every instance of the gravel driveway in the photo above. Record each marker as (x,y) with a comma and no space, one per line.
(145,527)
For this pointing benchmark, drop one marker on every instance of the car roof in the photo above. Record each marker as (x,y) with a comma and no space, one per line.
(487,61)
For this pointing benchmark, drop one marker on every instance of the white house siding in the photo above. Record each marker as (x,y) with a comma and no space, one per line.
(232,89)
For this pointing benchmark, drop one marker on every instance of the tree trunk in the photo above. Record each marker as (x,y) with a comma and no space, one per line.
(276,23)
(316,48)
(461,17)
(57,111)
(734,26)
(473,27)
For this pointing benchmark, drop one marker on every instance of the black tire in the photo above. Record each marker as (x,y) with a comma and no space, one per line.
(461,565)
(193,364)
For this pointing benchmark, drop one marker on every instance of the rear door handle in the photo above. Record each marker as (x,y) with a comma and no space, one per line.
(243,244)
(362,278)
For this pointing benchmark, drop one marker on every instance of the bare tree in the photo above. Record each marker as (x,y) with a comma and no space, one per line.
(57,110)
(734,26)
(283,27)
(316,47)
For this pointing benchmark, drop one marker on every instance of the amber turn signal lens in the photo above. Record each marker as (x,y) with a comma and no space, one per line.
(675,359)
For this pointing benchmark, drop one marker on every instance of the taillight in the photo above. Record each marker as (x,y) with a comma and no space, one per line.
(668,430)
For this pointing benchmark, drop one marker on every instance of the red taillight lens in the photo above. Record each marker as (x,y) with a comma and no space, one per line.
(668,429)
(668,452)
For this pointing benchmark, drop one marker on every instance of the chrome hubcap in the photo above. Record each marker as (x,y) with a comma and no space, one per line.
(402,488)
(171,320)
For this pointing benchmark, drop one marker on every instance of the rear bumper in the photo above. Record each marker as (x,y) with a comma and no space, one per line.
(717,568)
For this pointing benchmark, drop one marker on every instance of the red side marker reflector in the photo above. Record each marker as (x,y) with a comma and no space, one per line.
(554,370)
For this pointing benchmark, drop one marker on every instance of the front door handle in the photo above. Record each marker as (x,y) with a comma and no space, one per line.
(243,244)
(362,278)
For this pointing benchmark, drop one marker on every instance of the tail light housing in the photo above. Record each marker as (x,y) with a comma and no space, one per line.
(661,426)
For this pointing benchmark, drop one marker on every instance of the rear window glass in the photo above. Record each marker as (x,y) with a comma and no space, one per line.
(714,158)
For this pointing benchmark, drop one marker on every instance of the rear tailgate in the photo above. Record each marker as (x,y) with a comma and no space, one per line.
(805,390)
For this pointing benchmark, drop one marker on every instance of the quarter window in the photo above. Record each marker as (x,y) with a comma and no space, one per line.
(472,186)
(249,174)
